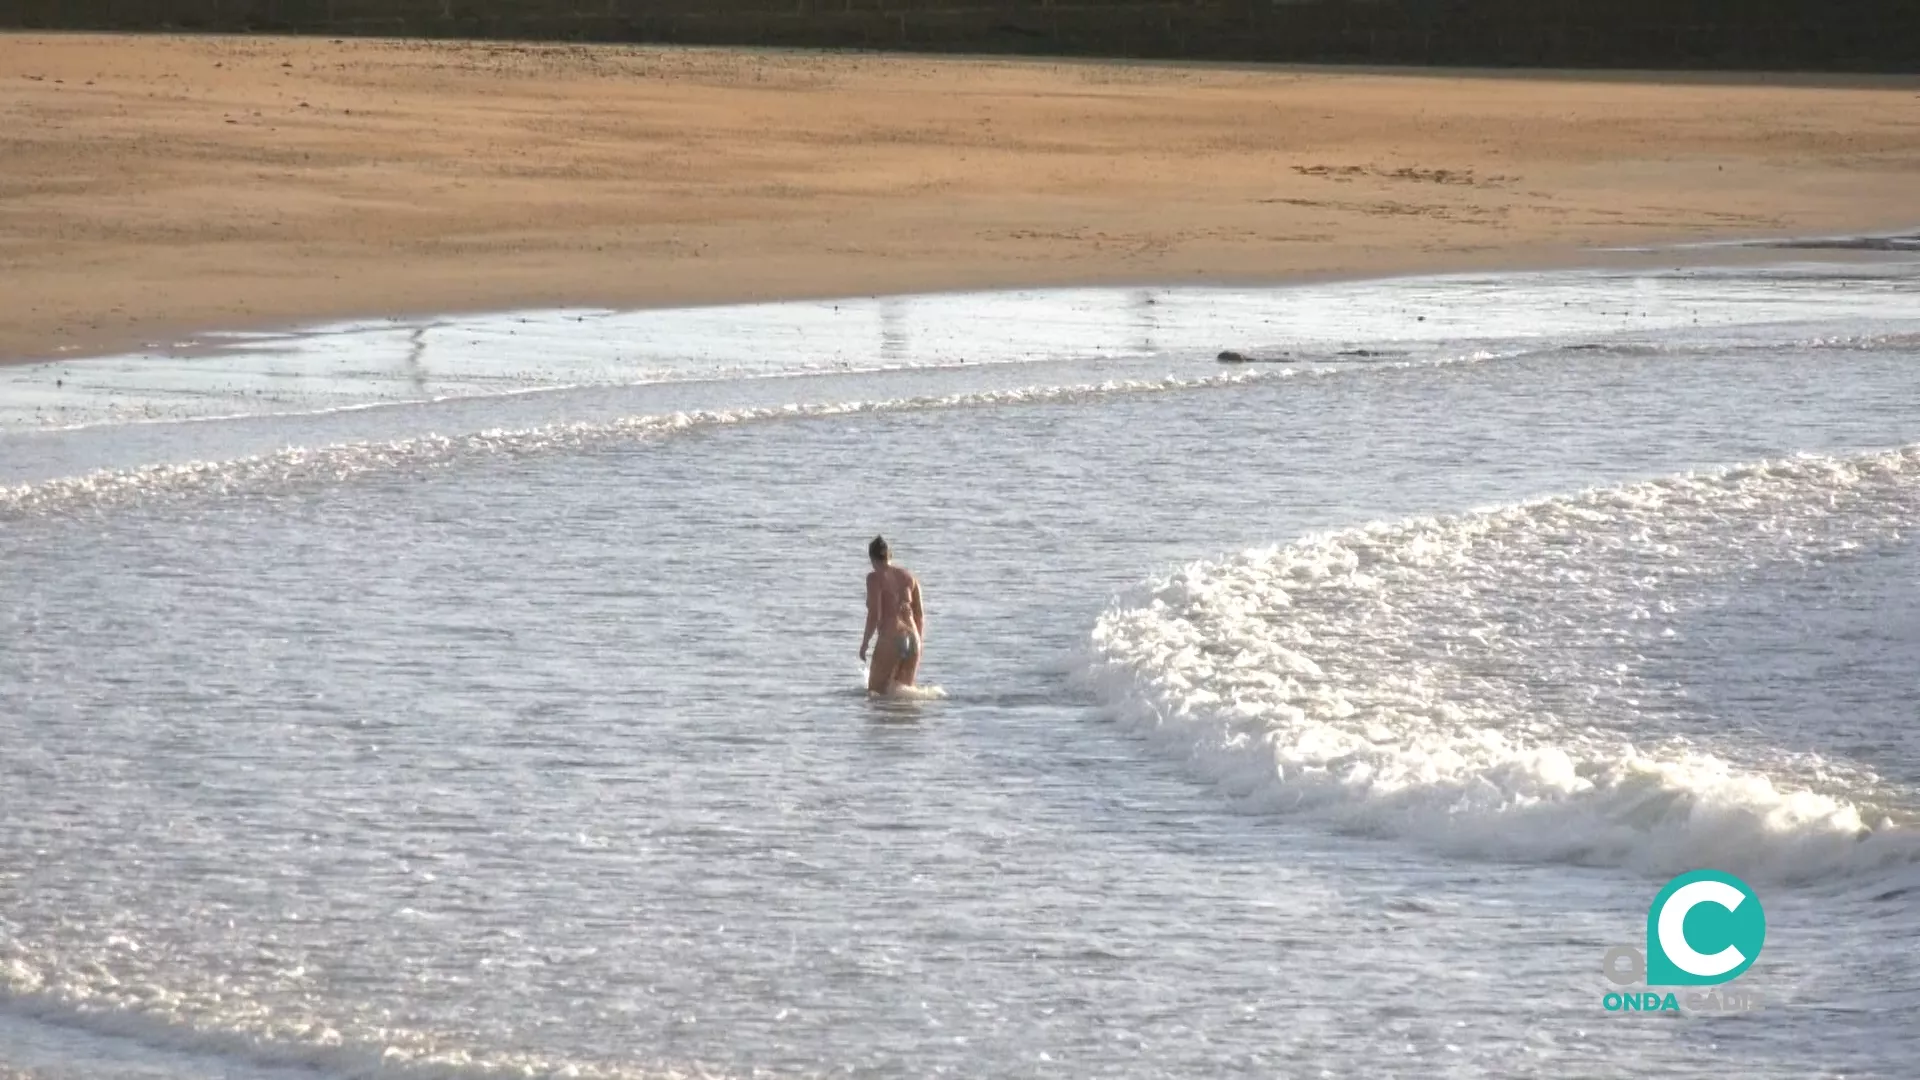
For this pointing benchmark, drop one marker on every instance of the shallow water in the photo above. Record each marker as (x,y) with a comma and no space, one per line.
(515,722)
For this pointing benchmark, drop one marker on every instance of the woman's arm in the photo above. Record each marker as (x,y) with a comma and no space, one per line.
(919,612)
(873,613)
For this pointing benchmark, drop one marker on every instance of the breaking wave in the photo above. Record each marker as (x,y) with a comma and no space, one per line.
(1399,679)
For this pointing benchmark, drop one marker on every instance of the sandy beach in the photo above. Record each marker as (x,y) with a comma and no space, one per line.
(155,186)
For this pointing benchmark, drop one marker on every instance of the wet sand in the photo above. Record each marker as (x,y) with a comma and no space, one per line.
(155,186)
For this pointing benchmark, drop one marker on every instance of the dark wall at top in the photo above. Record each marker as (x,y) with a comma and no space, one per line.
(1832,35)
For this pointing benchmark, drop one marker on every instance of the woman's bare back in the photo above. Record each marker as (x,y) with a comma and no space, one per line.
(897,586)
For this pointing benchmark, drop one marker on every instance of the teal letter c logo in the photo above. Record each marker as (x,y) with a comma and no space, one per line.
(1704,928)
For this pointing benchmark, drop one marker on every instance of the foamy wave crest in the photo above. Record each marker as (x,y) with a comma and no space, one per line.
(222,1021)
(1390,678)
(298,466)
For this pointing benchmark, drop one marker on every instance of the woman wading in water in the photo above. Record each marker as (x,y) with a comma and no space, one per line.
(895,613)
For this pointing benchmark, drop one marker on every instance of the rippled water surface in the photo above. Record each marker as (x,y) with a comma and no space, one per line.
(482,697)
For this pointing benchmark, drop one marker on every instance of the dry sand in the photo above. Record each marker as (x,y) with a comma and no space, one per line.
(153,186)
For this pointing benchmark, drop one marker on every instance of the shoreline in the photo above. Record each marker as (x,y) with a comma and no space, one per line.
(164,187)
(187,341)
(661,362)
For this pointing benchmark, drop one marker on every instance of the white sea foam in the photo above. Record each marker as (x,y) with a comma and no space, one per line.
(1382,677)
(294,466)
(916,693)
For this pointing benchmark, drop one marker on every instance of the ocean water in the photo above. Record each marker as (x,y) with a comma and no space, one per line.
(478,697)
